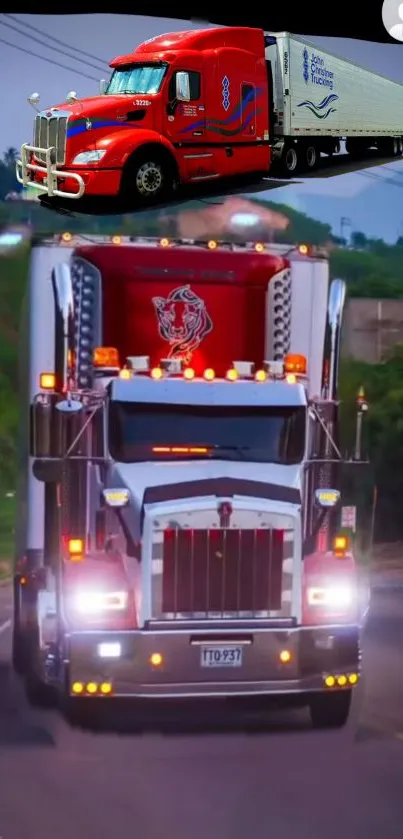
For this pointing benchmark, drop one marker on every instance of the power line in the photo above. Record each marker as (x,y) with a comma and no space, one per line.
(48,60)
(56,40)
(49,47)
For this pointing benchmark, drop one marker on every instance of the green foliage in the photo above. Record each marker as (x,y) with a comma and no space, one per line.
(383,437)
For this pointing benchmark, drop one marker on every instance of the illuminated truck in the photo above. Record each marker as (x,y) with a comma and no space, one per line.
(177,529)
(189,107)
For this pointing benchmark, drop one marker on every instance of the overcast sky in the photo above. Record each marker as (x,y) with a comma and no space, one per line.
(105,36)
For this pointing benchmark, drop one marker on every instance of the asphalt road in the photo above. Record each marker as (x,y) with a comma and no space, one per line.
(262,776)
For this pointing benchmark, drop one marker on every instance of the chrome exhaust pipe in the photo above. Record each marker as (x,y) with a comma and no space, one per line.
(64,321)
(337,297)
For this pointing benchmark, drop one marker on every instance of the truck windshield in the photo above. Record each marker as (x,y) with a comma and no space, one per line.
(143,432)
(137,78)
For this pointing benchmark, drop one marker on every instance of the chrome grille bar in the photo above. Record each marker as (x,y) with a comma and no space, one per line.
(200,574)
(51,132)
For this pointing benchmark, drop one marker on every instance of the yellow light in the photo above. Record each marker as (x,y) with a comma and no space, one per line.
(231,375)
(75,548)
(188,373)
(260,376)
(209,374)
(340,545)
(303,249)
(212,245)
(66,237)
(47,381)
(125,373)
(156,373)
(294,363)
(330,681)
(285,656)
(105,688)
(291,379)
(116,240)
(353,678)
(341,681)
(77,687)
(92,687)
(259,247)
(156,659)
(106,357)
(165,243)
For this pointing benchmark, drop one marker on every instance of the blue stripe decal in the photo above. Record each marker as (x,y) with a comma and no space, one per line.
(235,114)
(75,130)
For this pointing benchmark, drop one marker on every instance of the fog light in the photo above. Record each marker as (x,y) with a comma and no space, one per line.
(353,678)
(285,656)
(341,681)
(106,688)
(330,681)
(156,659)
(77,687)
(92,687)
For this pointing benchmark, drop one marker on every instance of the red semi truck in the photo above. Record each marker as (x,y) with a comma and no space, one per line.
(198,105)
(177,531)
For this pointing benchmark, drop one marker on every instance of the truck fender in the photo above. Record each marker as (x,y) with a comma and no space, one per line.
(121,145)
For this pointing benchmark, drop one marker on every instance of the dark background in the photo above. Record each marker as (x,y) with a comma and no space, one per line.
(344,19)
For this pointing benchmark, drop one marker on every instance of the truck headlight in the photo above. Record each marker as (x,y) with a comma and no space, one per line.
(93,156)
(333,596)
(96,602)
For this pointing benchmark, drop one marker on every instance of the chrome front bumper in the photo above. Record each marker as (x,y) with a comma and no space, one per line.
(50,184)
(315,653)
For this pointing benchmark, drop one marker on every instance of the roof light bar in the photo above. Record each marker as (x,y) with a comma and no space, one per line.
(172,366)
(245,369)
(274,368)
(138,363)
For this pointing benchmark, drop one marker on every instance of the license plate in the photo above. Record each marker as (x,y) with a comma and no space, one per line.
(221,656)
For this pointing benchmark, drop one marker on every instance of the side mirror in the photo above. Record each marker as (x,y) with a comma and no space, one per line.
(102,87)
(182,87)
(48,471)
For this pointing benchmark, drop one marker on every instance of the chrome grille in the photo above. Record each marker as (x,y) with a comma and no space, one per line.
(51,132)
(200,574)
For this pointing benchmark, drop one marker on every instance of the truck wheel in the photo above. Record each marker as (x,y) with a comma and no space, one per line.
(148,177)
(330,710)
(18,651)
(400,147)
(311,157)
(290,160)
(39,694)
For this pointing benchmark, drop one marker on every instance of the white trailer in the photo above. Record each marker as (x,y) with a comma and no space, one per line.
(320,99)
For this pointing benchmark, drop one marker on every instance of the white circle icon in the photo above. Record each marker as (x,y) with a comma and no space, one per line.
(392,16)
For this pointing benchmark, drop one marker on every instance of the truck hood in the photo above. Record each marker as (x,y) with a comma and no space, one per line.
(139,477)
(100,106)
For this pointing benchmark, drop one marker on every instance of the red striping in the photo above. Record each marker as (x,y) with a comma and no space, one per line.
(226,570)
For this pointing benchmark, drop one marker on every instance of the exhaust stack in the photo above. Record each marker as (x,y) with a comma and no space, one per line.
(337,296)
(64,314)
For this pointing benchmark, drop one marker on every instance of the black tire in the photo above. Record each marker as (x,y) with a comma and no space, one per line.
(18,652)
(330,710)
(149,177)
(311,158)
(290,160)
(39,694)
